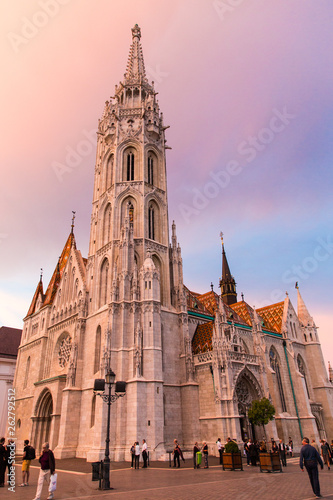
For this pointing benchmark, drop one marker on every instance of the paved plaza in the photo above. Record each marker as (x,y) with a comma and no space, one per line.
(161,482)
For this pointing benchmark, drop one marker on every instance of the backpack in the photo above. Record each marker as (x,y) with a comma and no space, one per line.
(31,453)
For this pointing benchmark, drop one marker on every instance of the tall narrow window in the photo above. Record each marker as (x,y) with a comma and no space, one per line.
(130,166)
(93,411)
(151,223)
(150,170)
(301,369)
(97,360)
(27,369)
(276,367)
(104,283)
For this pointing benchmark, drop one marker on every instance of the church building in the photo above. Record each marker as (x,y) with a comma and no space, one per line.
(193,363)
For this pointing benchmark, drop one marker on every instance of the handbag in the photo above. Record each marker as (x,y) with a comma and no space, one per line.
(53,483)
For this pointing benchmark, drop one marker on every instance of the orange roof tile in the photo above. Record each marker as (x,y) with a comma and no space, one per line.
(272,316)
(202,339)
(39,290)
(193,302)
(243,310)
(210,300)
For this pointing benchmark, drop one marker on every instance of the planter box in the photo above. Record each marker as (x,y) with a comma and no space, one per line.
(270,462)
(232,461)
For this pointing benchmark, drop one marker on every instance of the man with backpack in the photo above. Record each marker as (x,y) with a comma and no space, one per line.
(28,455)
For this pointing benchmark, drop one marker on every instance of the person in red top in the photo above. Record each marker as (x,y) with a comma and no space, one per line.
(47,468)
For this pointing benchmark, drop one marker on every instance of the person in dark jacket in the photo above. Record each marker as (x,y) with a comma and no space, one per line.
(196,449)
(311,458)
(47,468)
(2,462)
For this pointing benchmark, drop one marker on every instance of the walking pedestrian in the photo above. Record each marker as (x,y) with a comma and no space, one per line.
(28,455)
(177,452)
(325,453)
(144,453)
(47,469)
(314,444)
(311,458)
(282,451)
(291,446)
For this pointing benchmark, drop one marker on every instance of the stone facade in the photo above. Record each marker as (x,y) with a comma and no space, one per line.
(192,363)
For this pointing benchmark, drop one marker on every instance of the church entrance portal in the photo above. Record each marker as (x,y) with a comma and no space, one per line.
(42,421)
(246,392)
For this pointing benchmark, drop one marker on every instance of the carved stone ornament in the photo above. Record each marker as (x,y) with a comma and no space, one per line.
(65,351)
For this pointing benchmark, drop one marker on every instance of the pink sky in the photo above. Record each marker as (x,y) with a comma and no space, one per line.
(222,73)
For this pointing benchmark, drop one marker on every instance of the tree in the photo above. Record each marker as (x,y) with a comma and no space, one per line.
(261,412)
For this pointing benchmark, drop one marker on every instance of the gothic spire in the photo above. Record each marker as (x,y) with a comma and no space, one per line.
(135,71)
(302,312)
(227,283)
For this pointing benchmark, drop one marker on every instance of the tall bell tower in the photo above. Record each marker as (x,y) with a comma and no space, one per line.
(134,276)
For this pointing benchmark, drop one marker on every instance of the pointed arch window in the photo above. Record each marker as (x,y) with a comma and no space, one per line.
(151,223)
(130,166)
(301,369)
(150,170)
(107,225)
(97,360)
(275,365)
(108,172)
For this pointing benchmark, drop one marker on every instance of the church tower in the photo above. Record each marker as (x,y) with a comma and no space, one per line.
(227,282)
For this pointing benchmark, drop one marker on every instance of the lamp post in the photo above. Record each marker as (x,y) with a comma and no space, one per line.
(109,398)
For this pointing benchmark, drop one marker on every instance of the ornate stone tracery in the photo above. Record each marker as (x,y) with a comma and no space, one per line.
(64,351)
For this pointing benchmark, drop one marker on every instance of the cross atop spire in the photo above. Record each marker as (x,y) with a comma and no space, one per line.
(135,70)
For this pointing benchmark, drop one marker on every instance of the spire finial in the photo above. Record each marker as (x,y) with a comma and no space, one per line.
(73,218)
(242,294)
(296,285)
(136,32)
(221,236)
(41,275)
(212,286)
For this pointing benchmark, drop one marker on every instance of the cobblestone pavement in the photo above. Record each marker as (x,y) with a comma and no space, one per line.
(161,482)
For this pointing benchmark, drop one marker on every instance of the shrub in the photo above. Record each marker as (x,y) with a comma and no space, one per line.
(231,447)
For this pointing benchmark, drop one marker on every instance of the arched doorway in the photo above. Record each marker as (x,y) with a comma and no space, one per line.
(247,390)
(44,410)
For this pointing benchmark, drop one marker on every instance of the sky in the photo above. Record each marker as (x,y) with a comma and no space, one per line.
(246,87)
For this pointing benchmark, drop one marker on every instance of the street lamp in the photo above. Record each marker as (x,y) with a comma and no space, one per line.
(109,398)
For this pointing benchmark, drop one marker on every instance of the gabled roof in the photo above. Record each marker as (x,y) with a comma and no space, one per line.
(202,338)
(244,311)
(10,339)
(272,316)
(210,300)
(194,303)
(56,277)
(38,292)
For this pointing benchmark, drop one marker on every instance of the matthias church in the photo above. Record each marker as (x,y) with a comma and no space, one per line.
(192,362)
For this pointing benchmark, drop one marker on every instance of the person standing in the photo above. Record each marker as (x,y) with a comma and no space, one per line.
(314,444)
(311,458)
(282,451)
(275,448)
(26,463)
(325,453)
(220,449)
(196,449)
(205,453)
(47,469)
(144,453)
(247,451)
(176,453)
(2,462)
(137,455)
(132,452)
(291,446)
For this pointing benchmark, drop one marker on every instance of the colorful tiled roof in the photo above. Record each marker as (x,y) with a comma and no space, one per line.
(210,300)
(272,316)
(10,339)
(202,339)
(243,310)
